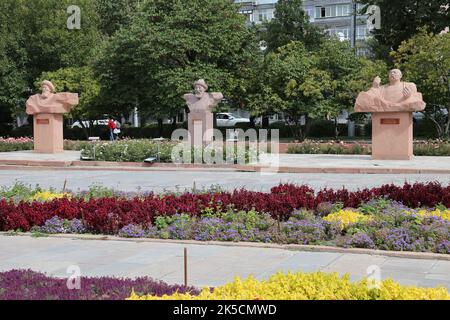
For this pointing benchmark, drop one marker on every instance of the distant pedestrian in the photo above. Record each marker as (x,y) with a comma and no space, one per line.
(117,130)
(112,127)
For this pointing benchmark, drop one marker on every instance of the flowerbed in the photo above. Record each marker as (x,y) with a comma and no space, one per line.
(30,285)
(15,144)
(421,148)
(307,286)
(21,144)
(127,150)
(408,218)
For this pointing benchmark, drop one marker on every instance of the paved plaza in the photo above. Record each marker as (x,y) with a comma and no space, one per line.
(306,161)
(161,181)
(209,265)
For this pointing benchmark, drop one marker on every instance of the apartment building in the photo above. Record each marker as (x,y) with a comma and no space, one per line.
(335,17)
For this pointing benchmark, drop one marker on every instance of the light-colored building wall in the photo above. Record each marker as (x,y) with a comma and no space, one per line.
(335,17)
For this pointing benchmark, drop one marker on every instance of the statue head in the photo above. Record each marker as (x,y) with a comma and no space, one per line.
(395,76)
(47,88)
(200,87)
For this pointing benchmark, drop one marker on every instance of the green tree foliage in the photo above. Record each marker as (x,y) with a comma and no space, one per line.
(425,60)
(153,61)
(315,84)
(81,81)
(115,14)
(291,23)
(400,20)
(34,38)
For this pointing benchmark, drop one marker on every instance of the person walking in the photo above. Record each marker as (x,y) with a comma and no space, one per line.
(112,127)
(117,130)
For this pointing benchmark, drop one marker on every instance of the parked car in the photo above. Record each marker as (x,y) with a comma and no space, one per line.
(229,120)
(77,124)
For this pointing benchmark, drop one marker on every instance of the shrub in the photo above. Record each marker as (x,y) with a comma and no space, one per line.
(15,144)
(307,286)
(360,240)
(30,285)
(57,225)
(421,148)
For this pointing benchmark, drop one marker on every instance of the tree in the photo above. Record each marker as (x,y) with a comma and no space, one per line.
(291,23)
(310,84)
(425,60)
(400,20)
(35,39)
(168,45)
(115,14)
(81,81)
(280,89)
(359,80)
(338,60)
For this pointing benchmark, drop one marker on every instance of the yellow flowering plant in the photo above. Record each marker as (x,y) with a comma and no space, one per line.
(49,196)
(308,286)
(347,218)
(443,214)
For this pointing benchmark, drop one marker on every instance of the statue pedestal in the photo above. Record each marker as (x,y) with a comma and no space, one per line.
(200,126)
(392,136)
(48,133)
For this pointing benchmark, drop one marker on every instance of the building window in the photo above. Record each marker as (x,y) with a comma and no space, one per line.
(362,33)
(325,12)
(342,10)
(248,15)
(310,13)
(341,33)
(265,15)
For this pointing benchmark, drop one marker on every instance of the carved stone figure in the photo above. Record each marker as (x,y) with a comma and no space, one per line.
(47,109)
(391,106)
(393,97)
(200,117)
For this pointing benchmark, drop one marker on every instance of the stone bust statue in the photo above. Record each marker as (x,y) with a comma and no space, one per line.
(202,100)
(50,102)
(397,96)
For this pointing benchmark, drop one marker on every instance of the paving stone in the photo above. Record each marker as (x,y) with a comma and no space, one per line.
(207,265)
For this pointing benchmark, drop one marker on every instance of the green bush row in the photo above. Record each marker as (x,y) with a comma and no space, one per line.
(426,148)
(140,149)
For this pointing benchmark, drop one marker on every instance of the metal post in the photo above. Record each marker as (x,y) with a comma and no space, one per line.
(354,23)
(185,268)
(351,124)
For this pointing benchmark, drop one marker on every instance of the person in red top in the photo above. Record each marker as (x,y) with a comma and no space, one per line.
(111,126)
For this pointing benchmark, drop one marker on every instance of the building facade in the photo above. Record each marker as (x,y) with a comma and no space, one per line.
(335,17)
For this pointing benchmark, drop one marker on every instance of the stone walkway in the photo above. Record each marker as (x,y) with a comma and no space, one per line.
(210,265)
(307,162)
(160,181)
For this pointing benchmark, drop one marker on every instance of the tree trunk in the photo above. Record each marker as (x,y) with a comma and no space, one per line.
(85,130)
(265,122)
(336,128)
(296,130)
(174,123)
(439,129)
(160,127)
(447,125)
(307,127)
(252,122)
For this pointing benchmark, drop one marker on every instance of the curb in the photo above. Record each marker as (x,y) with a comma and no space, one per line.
(134,166)
(292,247)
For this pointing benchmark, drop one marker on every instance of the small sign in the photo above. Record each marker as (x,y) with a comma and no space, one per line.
(390,121)
(42,121)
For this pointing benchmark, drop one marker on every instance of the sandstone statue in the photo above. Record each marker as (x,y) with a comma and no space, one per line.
(395,96)
(200,117)
(50,102)
(47,109)
(391,106)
